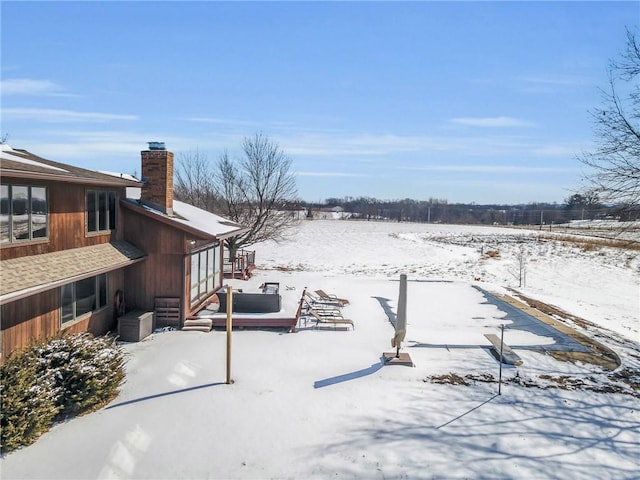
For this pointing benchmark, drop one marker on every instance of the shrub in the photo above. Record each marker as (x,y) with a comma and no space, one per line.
(88,370)
(29,400)
(69,374)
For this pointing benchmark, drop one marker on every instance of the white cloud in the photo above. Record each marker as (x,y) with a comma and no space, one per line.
(330,174)
(493,169)
(550,83)
(555,80)
(491,122)
(55,115)
(350,144)
(537,83)
(568,150)
(222,121)
(27,86)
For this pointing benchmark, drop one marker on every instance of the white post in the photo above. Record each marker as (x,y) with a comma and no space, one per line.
(401,317)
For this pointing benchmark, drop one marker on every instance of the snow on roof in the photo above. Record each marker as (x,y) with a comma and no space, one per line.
(126,176)
(190,216)
(205,221)
(9,153)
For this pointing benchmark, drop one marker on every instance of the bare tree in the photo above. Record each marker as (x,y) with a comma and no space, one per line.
(615,161)
(194,181)
(255,191)
(519,270)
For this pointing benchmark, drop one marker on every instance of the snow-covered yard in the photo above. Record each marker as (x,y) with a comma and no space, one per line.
(319,403)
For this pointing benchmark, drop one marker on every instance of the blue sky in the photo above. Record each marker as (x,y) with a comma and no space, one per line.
(484,102)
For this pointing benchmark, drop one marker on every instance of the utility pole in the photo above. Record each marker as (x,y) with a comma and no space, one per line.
(541,218)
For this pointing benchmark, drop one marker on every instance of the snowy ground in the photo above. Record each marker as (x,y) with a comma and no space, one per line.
(319,404)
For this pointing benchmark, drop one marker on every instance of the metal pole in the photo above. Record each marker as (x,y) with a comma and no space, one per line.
(500,359)
(229,329)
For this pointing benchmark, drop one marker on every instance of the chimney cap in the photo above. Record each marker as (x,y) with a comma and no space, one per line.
(156,146)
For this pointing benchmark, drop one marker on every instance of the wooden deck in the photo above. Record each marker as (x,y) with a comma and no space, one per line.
(238,321)
(287,318)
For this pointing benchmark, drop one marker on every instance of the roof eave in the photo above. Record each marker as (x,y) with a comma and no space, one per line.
(235,233)
(120,182)
(128,203)
(27,292)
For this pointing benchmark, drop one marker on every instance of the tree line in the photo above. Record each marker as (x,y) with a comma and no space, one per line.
(576,207)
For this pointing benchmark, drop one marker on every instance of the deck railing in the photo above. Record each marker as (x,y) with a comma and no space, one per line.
(241,266)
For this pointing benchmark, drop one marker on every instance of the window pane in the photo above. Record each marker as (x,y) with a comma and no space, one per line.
(209,270)
(91,211)
(194,276)
(102,290)
(102,211)
(216,268)
(4,214)
(67,303)
(203,273)
(216,254)
(85,296)
(112,210)
(38,212)
(20,210)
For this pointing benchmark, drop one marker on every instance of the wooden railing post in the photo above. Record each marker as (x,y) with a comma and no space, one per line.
(229,330)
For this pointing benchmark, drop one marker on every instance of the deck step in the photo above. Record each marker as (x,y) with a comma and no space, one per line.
(196,328)
(199,324)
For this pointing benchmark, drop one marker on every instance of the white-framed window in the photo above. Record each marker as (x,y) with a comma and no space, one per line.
(24,213)
(101,210)
(205,272)
(82,297)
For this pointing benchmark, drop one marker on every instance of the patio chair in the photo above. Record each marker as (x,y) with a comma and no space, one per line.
(333,320)
(316,300)
(330,297)
(323,309)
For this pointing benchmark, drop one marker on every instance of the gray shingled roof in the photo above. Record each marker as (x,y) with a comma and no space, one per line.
(28,275)
(23,164)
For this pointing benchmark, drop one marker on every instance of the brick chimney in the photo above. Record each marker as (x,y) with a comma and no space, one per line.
(157,178)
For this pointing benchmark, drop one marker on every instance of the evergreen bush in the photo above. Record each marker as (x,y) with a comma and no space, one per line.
(29,400)
(66,375)
(88,370)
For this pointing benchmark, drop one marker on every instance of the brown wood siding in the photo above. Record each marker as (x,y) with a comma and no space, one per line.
(157,276)
(28,319)
(152,236)
(38,316)
(161,274)
(67,221)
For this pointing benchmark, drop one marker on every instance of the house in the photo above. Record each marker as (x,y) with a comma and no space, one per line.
(184,244)
(77,247)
